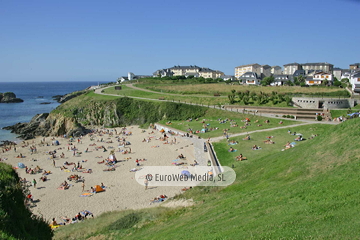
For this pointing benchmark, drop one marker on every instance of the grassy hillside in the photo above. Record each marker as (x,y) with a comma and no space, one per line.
(306,192)
(16,221)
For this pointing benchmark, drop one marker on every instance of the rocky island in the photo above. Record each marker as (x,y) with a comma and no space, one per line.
(9,97)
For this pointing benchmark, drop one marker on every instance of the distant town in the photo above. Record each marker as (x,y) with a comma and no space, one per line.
(321,73)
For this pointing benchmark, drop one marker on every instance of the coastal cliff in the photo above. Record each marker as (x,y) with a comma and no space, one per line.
(9,97)
(76,116)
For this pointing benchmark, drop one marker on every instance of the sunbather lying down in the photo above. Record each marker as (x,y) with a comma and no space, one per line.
(109,169)
(241,157)
(134,169)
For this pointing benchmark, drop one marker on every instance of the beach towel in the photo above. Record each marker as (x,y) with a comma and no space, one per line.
(86,195)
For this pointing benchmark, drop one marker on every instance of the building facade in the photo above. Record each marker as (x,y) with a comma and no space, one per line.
(354,66)
(319,78)
(187,71)
(289,69)
(241,70)
(276,70)
(250,78)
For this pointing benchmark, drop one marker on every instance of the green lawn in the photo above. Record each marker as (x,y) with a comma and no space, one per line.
(212,120)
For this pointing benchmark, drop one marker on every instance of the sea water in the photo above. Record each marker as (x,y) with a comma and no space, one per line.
(33,94)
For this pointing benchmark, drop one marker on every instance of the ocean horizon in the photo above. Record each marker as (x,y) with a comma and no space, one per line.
(33,94)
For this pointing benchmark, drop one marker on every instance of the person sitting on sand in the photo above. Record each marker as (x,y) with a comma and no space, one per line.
(54,223)
(181,156)
(43,178)
(195,163)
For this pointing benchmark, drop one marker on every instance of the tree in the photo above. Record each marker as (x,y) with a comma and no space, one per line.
(337,83)
(301,79)
(267,81)
(296,81)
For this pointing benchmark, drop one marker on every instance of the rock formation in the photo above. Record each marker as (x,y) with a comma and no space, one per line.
(9,97)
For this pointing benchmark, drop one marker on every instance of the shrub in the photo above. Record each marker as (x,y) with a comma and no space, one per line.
(125,222)
(288,116)
(292,116)
(319,118)
(284,116)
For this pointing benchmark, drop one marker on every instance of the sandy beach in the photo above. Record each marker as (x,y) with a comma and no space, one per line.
(121,189)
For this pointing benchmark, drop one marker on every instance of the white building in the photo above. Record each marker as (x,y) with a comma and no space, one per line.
(319,77)
(240,70)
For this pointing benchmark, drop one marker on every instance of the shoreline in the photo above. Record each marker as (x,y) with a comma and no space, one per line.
(122,190)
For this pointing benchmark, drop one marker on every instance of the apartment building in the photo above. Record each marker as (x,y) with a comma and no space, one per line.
(276,70)
(290,68)
(187,71)
(241,70)
(324,67)
(354,66)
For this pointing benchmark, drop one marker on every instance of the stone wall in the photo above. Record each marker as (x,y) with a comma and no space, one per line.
(326,103)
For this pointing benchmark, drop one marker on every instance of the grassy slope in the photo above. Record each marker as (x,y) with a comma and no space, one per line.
(225,89)
(310,191)
(212,116)
(16,221)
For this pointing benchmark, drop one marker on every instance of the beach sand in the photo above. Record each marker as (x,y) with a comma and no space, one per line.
(122,190)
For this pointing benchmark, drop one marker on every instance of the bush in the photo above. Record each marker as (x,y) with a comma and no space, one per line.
(319,118)
(284,116)
(292,116)
(125,222)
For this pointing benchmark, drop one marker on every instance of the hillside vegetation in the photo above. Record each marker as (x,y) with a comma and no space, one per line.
(16,220)
(306,192)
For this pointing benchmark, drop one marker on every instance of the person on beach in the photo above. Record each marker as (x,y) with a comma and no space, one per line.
(146,182)
(34,182)
(83,185)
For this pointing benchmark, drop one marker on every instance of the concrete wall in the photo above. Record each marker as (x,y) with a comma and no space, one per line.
(326,103)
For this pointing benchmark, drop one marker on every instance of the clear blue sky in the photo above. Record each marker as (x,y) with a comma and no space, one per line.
(103,40)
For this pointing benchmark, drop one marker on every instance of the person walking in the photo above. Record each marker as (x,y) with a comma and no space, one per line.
(54,163)
(83,185)
(146,182)
(34,182)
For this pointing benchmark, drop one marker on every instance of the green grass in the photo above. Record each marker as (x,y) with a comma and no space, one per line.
(212,118)
(225,89)
(338,113)
(16,220)
(307,192)
(202,99)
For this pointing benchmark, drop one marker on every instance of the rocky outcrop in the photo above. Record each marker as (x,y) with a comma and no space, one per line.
(9,97)
(47,125)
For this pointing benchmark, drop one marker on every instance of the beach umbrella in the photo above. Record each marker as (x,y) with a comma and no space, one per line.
(21,165)
(185,172)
